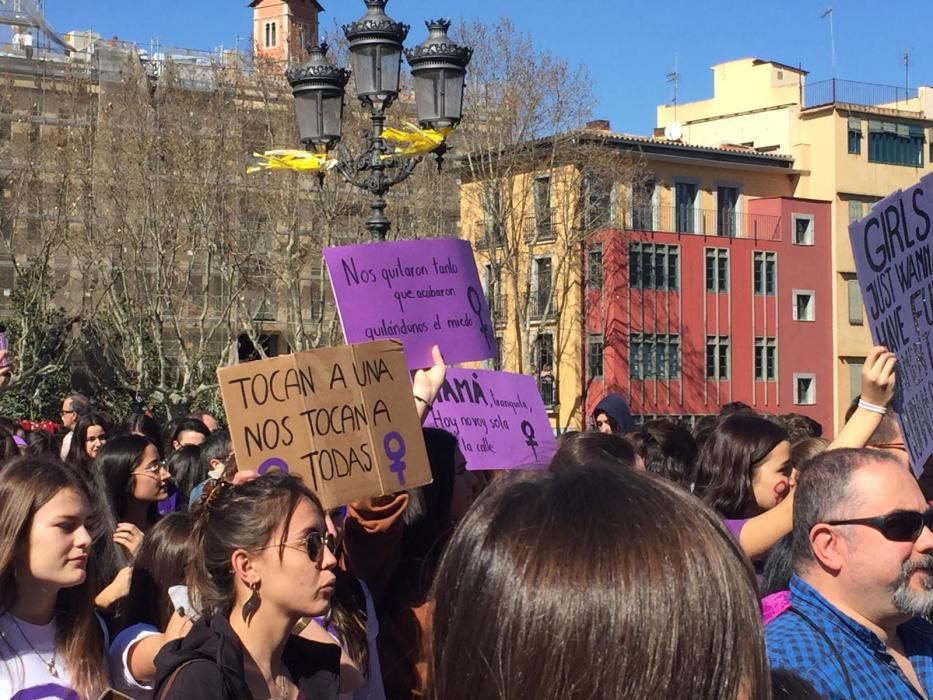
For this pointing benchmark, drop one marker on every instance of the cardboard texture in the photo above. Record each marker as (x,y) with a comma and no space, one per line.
(343,418)
(424,292)
(498,417)
(893,250)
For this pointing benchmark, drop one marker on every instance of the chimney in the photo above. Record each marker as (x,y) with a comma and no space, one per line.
(597,125)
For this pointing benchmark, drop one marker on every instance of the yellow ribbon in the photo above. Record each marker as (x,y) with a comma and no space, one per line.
(420,141)
(290,159)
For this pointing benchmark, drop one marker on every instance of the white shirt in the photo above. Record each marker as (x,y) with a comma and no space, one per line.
(24,669)
(66,444)
(120,675)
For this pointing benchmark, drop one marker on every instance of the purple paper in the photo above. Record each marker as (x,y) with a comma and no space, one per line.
(498,417)
(423,293)
(893,250)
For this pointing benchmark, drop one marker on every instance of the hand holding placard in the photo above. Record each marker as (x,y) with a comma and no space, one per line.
(893,252)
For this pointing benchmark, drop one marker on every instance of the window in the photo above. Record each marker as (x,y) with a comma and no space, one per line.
(855,210)
(492,212)
(856,309)
(727,202)
(895,143)
(542,197)
(855,135)
(594,356)
(717,357)
(498,362)
(654,356)
(597,211)
(643,216)
(804,305)
(765,359)
(541,283)
(717,270)
(654,266)
(765,272)
(805,389)
(855,376)
(492,283)
(594,267)
(543,353)
(685,197)
(803,229)
(270,35)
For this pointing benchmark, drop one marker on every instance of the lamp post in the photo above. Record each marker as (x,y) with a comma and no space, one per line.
(438,66)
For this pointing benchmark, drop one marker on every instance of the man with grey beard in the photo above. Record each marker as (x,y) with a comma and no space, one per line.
(862,553)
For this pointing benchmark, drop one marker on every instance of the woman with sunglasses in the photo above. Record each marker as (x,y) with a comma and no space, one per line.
(129,482)
(261,561)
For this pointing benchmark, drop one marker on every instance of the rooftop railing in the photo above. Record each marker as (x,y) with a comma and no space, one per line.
(833,91)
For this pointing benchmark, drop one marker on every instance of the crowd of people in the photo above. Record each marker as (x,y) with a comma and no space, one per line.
(748,557)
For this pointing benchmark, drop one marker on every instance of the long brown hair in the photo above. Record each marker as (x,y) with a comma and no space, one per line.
(727,462)
(594,584)
(27,484)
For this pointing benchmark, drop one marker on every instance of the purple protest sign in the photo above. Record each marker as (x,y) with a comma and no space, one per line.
(498,417)
(893,250)
(423,293)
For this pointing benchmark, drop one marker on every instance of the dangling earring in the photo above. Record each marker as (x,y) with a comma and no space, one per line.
(251,605)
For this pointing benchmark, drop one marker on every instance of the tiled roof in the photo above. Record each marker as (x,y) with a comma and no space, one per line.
(730,148)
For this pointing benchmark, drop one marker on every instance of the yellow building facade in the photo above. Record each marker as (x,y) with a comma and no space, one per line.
(852,144)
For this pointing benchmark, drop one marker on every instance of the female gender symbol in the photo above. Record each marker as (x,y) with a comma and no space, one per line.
(395,453)
(528,430)
(477,306)
(273,463)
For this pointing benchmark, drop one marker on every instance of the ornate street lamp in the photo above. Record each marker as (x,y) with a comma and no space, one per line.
(439,69)
(318,87)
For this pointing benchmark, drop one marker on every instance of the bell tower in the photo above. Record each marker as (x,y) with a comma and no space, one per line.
(282,28)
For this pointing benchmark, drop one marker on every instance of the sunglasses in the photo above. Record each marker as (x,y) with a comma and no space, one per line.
(313,543)
(156,467)
(899,526)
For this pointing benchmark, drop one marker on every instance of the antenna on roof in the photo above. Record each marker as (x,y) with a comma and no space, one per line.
(832,40)
(906,74)
(674,79)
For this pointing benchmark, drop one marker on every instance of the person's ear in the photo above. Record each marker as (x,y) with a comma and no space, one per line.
(243,568)
(829,547)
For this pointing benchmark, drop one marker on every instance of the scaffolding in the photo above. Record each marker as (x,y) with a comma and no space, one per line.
(29,13)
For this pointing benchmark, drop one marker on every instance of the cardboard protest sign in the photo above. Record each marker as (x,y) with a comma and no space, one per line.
(343,418)
(893,249)
(499,418)
(423,292)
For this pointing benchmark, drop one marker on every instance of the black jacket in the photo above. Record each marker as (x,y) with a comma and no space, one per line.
(217,669)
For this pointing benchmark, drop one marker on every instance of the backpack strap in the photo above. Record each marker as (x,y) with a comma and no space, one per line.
(170,681)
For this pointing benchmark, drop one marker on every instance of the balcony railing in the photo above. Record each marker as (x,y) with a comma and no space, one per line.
(547,389)
(706,222)
(826,92)
(540,304)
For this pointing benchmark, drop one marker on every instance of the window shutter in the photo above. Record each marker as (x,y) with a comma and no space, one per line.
(855,303)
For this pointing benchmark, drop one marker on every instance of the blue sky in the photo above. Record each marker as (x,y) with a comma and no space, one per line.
(629,47)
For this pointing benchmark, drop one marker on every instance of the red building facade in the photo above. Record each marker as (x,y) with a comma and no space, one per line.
(682,323)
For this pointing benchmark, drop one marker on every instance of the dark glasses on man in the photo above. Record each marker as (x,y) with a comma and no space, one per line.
(899,526)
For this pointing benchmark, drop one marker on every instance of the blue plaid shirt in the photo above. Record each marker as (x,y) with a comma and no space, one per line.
(796,646)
